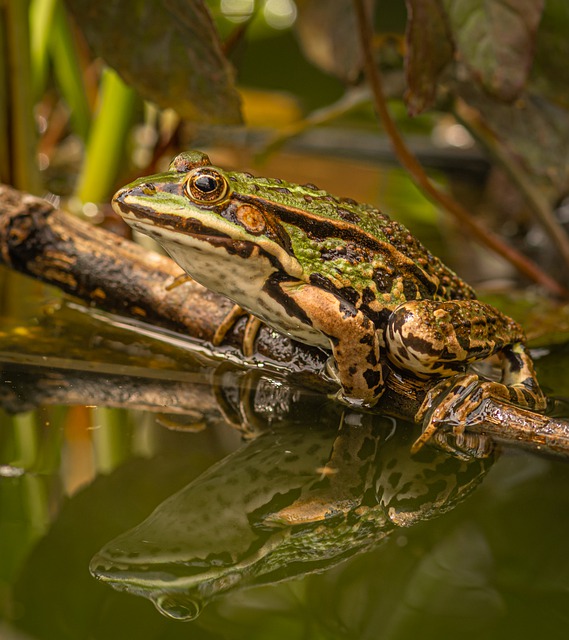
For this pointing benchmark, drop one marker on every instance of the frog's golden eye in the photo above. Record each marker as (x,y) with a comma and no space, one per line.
(206,186)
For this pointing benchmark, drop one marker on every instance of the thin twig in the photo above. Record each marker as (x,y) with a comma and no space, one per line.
(417,173)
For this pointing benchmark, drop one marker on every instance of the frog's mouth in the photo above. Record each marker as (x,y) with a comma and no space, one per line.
(200,240)
(165,226)
(149,213)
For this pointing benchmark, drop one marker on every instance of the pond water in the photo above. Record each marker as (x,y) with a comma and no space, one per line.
(132,505)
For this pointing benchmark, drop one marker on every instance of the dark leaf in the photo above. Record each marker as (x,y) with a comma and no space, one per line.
(429,49)
(496,40)
(550,73)
(328,35)
(533,130)
(168,50)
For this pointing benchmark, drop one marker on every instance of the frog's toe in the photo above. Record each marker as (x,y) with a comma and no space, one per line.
(332,370)
(354,403)
(456,403)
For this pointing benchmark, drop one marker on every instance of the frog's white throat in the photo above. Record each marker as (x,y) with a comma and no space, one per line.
(238,271)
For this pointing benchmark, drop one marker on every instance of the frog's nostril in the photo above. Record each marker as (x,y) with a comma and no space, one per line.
(147,188)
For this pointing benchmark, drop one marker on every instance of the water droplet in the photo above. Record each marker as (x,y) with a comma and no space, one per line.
(177,606)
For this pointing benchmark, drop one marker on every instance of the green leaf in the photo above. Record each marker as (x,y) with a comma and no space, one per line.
(107,139)
(68,71)
(41,20)
(168,50)
(496,40)
(429,50)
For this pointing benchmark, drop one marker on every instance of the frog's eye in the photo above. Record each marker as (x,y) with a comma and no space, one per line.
(206,186)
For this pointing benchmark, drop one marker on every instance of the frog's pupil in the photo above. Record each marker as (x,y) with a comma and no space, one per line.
(207,184)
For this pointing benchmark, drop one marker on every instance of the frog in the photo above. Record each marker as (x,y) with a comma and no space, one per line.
(339,275)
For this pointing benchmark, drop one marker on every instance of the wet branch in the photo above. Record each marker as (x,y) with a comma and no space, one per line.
(413,166)
(121,277)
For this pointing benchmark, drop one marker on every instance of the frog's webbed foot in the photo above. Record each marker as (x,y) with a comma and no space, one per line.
(455,404)
(250,334)
(459,402)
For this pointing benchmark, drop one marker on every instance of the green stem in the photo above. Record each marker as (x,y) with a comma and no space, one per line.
(69,73)
(41,22)
(21,126)
(25,440)
(109,131)
(111,438)
(4,102)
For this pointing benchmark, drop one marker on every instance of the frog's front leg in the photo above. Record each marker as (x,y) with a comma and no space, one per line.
(353,338)
(432,338)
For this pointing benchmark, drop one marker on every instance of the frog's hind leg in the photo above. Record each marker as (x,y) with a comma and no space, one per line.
(518,375)
(441,339)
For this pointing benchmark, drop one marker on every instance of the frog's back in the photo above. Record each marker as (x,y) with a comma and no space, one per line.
(353,245)
(381,226)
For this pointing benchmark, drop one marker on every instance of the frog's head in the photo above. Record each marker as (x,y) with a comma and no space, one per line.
(204,217)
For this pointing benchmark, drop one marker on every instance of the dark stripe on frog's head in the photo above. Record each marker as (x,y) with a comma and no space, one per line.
(320,228)
(164,202)
(315,226)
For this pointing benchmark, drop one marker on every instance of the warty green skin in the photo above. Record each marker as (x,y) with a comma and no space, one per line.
(328,272)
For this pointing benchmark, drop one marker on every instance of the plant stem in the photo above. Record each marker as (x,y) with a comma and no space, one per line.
(107,137)
(41,22)
(21,130)
(417,173)
(68,72)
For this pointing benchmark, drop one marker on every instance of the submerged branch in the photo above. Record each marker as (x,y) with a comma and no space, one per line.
(417,173)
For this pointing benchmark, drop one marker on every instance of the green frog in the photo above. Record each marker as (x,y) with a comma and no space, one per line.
(336,274)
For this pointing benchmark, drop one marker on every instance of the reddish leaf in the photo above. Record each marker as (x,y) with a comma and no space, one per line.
(429,49)
(550,72)
(533,130)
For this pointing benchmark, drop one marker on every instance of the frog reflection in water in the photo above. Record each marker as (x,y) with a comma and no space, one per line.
(296,500)
(338,275)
